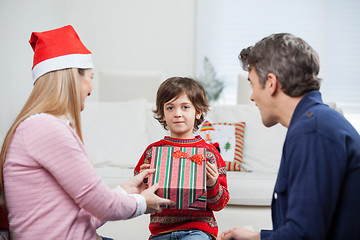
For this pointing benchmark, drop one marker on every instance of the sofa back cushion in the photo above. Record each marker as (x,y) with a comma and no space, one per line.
(262,145)
(115,133)
(129,85)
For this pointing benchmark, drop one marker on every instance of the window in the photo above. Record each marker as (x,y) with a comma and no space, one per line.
(332,28)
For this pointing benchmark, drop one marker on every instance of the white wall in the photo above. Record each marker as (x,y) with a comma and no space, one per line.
(16,20)
(122,34)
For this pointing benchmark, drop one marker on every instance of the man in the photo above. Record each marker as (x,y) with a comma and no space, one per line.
(317,192)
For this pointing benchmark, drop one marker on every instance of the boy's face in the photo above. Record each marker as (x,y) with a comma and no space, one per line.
(180,114)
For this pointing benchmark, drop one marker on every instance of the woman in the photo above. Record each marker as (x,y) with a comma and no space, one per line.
(50,186)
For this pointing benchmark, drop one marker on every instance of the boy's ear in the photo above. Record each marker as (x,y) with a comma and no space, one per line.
(198,114)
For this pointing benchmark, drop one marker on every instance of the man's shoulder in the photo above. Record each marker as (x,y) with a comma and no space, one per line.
(321,119)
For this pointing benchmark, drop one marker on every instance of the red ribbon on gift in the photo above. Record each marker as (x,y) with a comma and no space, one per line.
(197,158)
(180,154)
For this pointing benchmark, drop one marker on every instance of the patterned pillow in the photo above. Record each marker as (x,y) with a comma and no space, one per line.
(230,138)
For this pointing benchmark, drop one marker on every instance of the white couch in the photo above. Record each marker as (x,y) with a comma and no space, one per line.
(116,134)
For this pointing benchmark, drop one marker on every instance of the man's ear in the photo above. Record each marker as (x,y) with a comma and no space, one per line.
(272,83)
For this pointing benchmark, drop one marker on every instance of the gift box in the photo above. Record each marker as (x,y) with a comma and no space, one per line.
(181,174)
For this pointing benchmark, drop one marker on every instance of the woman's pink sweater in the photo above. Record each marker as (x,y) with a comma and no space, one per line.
(51,188)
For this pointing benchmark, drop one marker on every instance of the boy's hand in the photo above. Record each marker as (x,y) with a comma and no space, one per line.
(212,174)
(144,167)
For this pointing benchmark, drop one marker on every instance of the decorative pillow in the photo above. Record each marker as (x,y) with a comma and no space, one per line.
(230,138)
(115,132)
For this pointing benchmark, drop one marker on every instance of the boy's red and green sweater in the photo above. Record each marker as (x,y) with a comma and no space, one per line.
(183,219)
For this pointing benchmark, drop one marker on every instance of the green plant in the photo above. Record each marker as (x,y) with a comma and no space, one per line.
(212,84)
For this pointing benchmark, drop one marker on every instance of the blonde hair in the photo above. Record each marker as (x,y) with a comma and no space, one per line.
(56,93)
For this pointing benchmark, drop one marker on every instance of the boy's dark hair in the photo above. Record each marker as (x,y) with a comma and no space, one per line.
(173,88)
(294,62)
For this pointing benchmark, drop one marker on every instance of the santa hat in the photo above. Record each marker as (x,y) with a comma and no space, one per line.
(58,49)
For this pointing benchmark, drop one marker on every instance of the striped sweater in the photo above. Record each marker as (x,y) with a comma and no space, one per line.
(51,188)
(217,197)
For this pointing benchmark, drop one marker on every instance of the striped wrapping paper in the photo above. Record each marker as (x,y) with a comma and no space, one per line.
(180,179)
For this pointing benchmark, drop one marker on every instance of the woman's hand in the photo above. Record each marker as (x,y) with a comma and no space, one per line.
(153,202)
(212,174)
(144,167)
(136,184)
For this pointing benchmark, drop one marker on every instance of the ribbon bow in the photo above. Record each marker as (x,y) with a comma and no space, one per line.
(197,158)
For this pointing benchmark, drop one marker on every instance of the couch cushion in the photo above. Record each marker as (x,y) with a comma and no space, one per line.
(251,188)
(154,129)
(115,132)
(128,85)
(114,176)
(245,188)
(262,145)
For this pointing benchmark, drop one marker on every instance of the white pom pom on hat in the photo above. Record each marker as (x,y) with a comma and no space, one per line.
(58,49)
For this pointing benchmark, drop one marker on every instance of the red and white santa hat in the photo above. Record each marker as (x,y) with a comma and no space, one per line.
(58,49)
